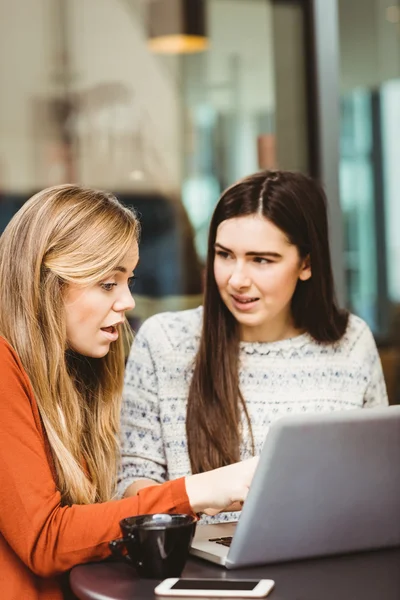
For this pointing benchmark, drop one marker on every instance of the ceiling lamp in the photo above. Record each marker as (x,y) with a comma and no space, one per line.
(177,26)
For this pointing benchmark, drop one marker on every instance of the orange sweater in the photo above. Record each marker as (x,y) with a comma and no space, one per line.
(39,538)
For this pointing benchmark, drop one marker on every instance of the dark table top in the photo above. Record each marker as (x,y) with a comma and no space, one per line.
(363,576)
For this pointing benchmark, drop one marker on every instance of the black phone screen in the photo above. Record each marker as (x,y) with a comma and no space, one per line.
(215,584)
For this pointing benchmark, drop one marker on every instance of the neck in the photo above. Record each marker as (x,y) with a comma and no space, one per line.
(83,370)
(270,332)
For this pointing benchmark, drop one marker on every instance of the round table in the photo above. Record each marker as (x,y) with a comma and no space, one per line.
(362,576)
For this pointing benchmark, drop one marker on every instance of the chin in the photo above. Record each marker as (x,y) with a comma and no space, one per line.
(98,353)
(249,319)
(101,353)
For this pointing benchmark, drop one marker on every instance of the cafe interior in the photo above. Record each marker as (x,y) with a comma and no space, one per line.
(168,102)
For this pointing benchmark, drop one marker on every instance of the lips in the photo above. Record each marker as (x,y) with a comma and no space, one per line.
(110,332)
(244,299)
(110,329)
(244,304)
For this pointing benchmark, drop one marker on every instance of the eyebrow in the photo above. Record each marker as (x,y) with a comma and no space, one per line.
(251,253)
(121,269)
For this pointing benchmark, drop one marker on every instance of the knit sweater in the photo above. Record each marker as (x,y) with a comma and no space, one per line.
(296,375)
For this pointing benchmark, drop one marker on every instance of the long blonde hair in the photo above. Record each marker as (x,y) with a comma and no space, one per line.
(67,234)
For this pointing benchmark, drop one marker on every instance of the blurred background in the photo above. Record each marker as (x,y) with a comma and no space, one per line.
(167,102)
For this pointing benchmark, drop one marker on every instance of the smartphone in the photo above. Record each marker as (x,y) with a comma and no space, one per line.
(219,588)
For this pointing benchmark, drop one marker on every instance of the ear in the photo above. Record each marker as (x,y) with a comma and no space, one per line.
(305,269)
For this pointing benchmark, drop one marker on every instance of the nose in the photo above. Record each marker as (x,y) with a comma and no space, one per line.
(125,301)
(239,278)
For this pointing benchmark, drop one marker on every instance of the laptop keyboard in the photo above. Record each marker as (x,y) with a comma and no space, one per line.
(224,541)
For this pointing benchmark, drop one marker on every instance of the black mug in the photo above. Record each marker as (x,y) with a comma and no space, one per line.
(157,545)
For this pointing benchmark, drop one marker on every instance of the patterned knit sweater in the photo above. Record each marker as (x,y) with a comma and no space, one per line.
(296,375)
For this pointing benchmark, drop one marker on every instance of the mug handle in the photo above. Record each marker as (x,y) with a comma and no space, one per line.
(116,547)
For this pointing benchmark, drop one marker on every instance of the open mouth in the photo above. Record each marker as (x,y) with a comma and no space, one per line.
(111,332)
(110,329)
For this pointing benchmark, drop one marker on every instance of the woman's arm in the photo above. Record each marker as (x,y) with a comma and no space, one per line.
(138,485)
(50,538)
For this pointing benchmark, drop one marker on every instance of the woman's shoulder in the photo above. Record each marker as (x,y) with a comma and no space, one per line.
(4,345)
(357,328)
(12,370)
(171,330)
(7,353)
(358,336)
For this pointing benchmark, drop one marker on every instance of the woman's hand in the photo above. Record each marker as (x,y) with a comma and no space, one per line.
(218,489)
(211,512)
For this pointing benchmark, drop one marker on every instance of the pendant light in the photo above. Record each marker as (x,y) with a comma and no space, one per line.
(177,26)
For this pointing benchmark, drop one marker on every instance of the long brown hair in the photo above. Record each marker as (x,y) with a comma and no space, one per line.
(61,235)
(297,205)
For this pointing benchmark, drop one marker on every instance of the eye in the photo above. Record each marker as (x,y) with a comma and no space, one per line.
(222,253)
(261,260)
(108,286)
(131,282)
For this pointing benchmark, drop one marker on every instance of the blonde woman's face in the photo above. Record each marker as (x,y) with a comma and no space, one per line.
(94,313)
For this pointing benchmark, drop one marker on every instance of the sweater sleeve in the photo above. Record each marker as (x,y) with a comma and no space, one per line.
(375,393)
(142,452)
(47,537)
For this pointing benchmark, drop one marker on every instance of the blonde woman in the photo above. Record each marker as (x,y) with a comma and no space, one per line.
(67,260)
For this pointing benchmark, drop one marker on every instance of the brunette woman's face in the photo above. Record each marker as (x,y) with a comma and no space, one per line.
(256,270)
(94,313)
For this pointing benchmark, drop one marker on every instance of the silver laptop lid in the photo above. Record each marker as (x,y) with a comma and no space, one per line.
(325,484)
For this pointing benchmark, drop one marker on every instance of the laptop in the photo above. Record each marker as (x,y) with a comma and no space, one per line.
(325,484)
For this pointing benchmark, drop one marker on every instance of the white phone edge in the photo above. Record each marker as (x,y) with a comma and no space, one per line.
(262,589)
